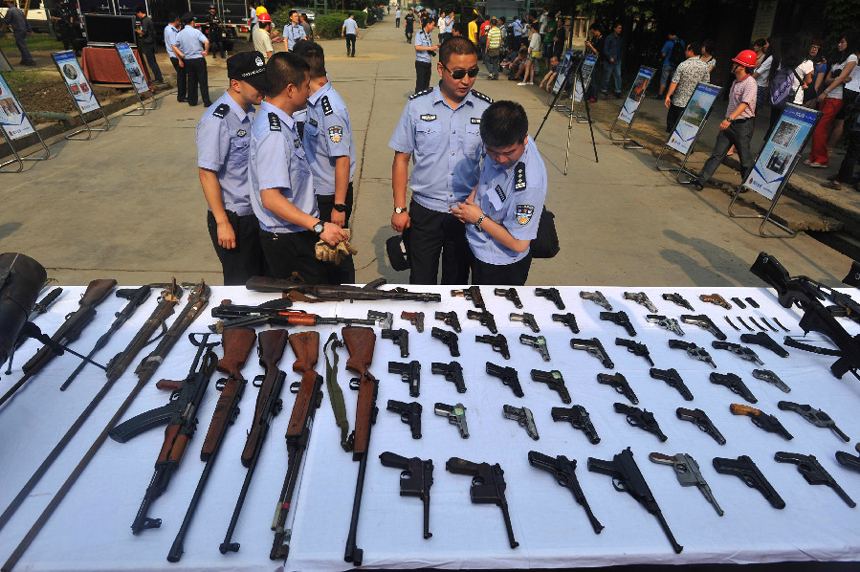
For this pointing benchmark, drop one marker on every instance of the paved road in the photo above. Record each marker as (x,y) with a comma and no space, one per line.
(128,204)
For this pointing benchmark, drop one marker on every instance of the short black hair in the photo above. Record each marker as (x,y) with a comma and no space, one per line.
(708,45)
(696,47)
(456,45)
(172,17)
(426,20)
(314,55)
(283,69)
(596,27)
(503,124)
(138,9)
(290,15)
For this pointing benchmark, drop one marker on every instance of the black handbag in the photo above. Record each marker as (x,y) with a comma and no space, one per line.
(545,245)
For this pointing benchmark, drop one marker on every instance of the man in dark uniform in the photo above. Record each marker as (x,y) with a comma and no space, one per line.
(147,43)
(20,28)
(215,33)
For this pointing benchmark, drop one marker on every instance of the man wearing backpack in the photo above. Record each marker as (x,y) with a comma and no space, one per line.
(673,55)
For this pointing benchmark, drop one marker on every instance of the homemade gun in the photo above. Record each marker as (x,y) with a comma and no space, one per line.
(693,351)
(416,478)
(564,471)
(508,375)
(488,487)
(742,352)
(679,300)
(715,299)
(670,324)
(578,418)
(554,381)
(453,372)
(744,468)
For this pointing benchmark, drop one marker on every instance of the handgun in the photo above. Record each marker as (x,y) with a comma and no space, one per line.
(598,298)
(672,379)
(485,318)
(635,348)
(670,324)
(410,373)
(815,416)
(523,416)
(715,299)
(472,293)
(813,472)
(414,318)
(453,372)
(456,415)
(527,319)
(761,419)
(400,338)
(679,300)
(702,421)
(564,470)
(641,418)
(509,294)
(704,322)
(772,378)
(508,375)
(538,343)
(450,319)
(693,351)
(416,478)
(568,320)
(578,418)
(383,319)
(744,468)
(619,319)
(488,487)
(642,299)
(499,343)
(742,352)
(688,473)
(765,341)
(594,348)
(554,381)
(735,384)
(410,413)
(551,294)
(448,338)
(619,383)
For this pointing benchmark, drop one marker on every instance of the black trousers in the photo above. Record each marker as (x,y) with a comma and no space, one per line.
(422,76)
(292,252)
(409,35)
(149,51)
(430,234)
(514,274)
(350,42)
(181,81)
(244,261)
(343,273)
(672,116)
(197,74)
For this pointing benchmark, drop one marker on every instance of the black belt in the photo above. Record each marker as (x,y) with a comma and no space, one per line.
(736,121)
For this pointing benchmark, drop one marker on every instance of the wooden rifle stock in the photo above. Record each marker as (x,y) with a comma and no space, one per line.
(306,346)
(271,348)
(237,343)
(360,343)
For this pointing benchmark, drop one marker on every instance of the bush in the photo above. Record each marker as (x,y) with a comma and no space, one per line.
(330,25)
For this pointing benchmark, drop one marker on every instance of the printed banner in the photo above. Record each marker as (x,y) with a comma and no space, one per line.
(786,140)
(635,95)
(12,117)
(80,88)
(135,74)
(563,70)
(587,70)
(694,115)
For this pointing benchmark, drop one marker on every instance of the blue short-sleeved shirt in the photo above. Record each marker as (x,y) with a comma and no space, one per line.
(170,39)
(667,49)
(293,34)
(512,197)
(449,25)
(445,144)
(223,142)
(191,42)
(327,136)
(277,161)
(517,28)
(350,25)
(422,38)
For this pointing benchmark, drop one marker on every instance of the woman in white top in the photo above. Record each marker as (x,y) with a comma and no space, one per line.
(850,90)
(534,47)
(766,62)
(706,55)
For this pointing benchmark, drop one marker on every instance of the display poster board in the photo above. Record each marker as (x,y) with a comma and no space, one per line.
(693,117)
(135,74)
(563,69)
(635,95)
(12,117)
(779,155)
(79,86)
(580,87)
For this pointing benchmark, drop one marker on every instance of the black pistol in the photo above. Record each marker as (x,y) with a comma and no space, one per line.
(488,487)
(499,343)
(744,468)
(400,338)
(619,319)
(410,373)
(450,319)
(579,418)
(619,383)
(554,381)
(453,372)
(410,414)
(672,379)
(641,418)
(636,349)
(509,294)
(416,479)
(485,318)
(564,471)
(450,339)
(551,294)
(508,375)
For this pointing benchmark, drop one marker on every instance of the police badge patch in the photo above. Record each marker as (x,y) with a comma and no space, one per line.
(524,214)
(335,133)
(428,117)
(241,133)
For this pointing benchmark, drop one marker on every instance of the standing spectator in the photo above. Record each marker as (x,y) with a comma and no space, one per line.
(612,51)
(262,36)
(473,30)
(789,68)
(819,71)
(170,32)
(830,102)
(409,25)
(252,19)
(736,128)
(543,20)
(673,54)
(350,32)
(762,71)
(517,37)
(560,40)
(20,28)
(493,49)
(849,163)
(192,47)
(441,25)
(687,76)
(449,25)
(424,52)
(593,46)
(851,87)
(534,56)
(147,44)
(397,17)
(548,37)
(707,55)
(309,31)
(482,36)
(215,33)
(293,32)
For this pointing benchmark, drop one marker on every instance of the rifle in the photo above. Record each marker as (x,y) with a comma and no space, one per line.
(135,299)
(180,416)
(306,347)
(488,487)
(273,312)
(237,343)
(68,332)
(564,471)
(416,479)
(39,308)
(197,301)
(270,349)
(326,293)
(359,343)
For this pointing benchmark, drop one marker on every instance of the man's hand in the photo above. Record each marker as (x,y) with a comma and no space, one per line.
(338,218)
(400,222)
(467,211)
(725,124)
(668,101)
(612,60)
(205,53)
(181,63)
(226,235)
(332,234)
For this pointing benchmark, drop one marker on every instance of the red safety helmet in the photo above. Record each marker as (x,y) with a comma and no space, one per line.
(746,58)
(264,18)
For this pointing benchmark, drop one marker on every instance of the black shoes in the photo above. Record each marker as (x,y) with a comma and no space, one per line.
(697,185)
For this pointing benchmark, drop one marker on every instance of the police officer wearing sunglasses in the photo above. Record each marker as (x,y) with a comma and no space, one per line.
(440,131)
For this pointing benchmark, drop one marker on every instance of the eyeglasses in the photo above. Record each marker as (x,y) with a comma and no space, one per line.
(460,74)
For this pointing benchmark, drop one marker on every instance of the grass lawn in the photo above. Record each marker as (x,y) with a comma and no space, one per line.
(36,43)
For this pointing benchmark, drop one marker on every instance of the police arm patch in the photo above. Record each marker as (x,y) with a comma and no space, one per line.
(335,133)
(524,214)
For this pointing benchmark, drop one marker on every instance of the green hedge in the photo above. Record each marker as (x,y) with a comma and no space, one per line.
(325,26)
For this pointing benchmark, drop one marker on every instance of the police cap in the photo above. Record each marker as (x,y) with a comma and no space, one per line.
(187,17)
(249,67)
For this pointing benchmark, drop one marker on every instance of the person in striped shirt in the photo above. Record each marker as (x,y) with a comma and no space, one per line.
(494,44)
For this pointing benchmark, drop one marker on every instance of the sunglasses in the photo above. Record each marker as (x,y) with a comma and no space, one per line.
(460,74)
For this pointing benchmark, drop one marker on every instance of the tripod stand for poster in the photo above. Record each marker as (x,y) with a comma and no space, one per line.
(15,127)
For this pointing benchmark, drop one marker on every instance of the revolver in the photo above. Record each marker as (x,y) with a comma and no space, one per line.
(410,414)
(642,299)
(523,416)
(414,318)
(453,372)
(735,384)
(636,349)
(447,338)
(400,338)
(527,319)
(688,473)
(538,343)
(485,318)
(672,379)
(641,418)
(578,418)
(742,352)
(815,416)
(508,375)
(450,319)
(456,415)
(705,323)
(568,320)
(598,298)
(416,479)
(619,319)
(554,380)
(594,348)
(670,324)
(509,294)
(551,294)
(409,373)
(499,343)
(693,351)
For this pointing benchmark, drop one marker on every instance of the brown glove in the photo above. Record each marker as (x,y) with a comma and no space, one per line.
(335,254)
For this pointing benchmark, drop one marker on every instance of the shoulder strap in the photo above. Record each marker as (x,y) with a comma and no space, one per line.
(221,111)
(420,93)
(334,392)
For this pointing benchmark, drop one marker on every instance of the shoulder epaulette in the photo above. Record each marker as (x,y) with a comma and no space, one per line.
(221,111)
(520,177)
(480,95)
(420,93)
(274,122)
(326,106)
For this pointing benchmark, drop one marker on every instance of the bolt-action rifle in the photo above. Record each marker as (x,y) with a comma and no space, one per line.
(301,291)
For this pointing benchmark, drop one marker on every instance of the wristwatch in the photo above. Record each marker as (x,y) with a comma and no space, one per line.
(729,119)
(319,227)
(340,208)
(399,210)
(478,224)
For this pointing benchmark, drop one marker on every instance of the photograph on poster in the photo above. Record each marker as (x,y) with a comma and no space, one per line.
(785,133)
(84,88)
(563,70)
(778,161)
(639,88)
(70,71)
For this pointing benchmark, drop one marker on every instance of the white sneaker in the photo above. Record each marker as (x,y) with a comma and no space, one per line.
(522,83)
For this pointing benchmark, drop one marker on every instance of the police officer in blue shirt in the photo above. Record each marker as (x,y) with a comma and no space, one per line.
(349,30)
(282,186)
(293,32)
(192,47)
(440,130)
(503,212)
(223,142)
(170,31)
(424,52)
(330,152)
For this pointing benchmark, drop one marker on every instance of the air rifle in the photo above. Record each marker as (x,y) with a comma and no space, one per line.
(300,291)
